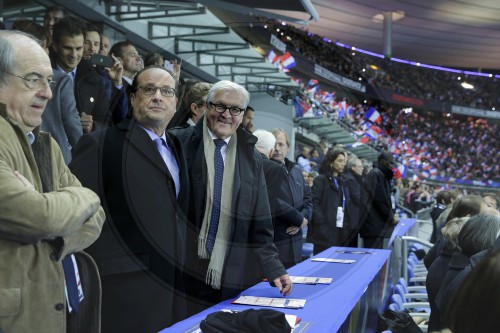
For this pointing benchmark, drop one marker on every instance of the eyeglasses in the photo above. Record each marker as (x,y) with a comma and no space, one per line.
(35,83)
(221,108)
(151,90)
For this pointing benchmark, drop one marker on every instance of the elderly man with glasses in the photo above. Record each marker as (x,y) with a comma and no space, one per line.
(46,283)
(230,233)
(136,169)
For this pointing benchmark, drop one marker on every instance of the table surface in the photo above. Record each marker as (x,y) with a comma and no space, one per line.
(327,306)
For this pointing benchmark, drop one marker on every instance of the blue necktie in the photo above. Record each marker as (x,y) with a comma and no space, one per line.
(71,286)
(219,173)
(170,161)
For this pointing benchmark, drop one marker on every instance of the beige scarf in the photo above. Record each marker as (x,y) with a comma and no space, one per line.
(221,246)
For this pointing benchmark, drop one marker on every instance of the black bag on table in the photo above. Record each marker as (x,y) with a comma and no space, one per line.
(248,321)
(397,322)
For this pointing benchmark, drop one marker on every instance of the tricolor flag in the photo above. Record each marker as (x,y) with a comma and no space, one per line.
(373,115)
(288,61)
(312,82)
(374,132)
(400,171)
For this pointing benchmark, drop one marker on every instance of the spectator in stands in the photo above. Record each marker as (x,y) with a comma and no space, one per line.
(354,182)
(439,267)
(53,15)
(478,234)
(475,306)
(196,101)
(311,176)
(379,220)
(136,169)
(90,93)
(315,158)
(466,206)
(60,118)
(111,77)
(223,261)
(293,209)
(247,121)
(274,172)
(444,199)
(367,166)
(47,216)
(91,41)
(131,60)
(491,200)
(303,159)
(154,59)
(105,45)
(330,196)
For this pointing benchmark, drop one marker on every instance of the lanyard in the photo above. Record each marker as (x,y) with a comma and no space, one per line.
(341,190)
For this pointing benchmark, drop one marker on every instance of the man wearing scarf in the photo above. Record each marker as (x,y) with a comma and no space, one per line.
(230,233)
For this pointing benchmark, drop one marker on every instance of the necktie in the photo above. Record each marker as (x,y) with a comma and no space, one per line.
(71,285)
(219,173)
(170,161)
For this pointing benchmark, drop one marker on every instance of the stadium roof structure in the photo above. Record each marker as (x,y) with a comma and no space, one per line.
(449,33)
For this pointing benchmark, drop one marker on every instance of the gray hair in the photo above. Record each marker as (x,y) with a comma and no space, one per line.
(265,139)
(229,85)
(7,52)
(478,234)
(352,162)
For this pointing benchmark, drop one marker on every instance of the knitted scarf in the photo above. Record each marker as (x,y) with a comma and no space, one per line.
(218,256)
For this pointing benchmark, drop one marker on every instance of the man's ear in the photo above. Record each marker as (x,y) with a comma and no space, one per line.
(271,153)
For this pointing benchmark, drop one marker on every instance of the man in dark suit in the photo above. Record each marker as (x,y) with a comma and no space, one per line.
(135,168)
(294,207)
(230,232)
(92,99)
(377,217)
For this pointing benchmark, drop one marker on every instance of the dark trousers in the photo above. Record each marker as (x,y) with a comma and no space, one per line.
(376,242)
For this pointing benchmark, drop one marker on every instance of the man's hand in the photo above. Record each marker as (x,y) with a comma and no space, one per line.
(284,284)
(87,122)
(293,230)
(115,72)
(395,220)
(23,180)
(176,71)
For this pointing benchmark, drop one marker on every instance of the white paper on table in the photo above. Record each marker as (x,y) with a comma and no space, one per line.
(289,303)
(339,261)
(310,280)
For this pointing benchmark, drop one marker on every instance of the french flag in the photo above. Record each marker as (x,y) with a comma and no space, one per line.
(312,82)
(288,61)
(400,171)
(374,132)
(373,115)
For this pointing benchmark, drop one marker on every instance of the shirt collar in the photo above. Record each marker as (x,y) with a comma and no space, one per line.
(215,137)
(71,73)
(153,135)
(31,137)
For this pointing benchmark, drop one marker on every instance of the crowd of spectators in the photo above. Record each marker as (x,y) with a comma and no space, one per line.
(409,80)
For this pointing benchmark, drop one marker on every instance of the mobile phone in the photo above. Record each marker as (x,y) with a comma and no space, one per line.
(169,66)
(101,60)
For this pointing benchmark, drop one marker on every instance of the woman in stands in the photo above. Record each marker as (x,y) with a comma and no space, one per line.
(328,226)
(468,205)
(478,234)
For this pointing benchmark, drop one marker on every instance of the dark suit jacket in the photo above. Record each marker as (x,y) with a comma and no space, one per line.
(145,229)
(327,198)
(252,254)
(378,220)
(91,96)
(293,205)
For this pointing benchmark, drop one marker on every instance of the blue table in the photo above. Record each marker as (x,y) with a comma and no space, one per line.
(327,306)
